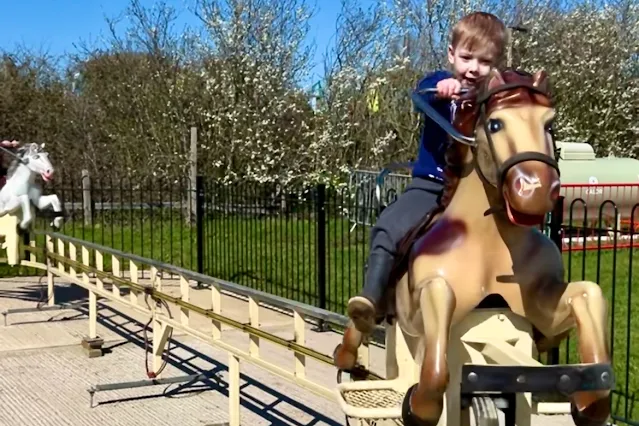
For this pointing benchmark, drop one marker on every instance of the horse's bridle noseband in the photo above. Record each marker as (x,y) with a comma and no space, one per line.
(520,157)
(482,100)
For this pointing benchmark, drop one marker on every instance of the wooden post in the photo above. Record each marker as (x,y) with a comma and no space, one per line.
(86,198)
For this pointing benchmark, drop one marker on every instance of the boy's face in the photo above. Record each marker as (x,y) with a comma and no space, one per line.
(470,67)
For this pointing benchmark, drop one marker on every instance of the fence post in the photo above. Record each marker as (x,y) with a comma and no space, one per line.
(556,220)
(320,226)
(86,198)
(199,223)
(191,213)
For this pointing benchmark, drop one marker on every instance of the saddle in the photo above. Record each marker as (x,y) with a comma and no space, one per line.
(402,261)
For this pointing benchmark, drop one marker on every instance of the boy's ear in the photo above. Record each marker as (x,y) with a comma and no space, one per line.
(451,54)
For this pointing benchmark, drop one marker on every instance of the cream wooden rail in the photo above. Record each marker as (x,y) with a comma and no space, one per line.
(70,258)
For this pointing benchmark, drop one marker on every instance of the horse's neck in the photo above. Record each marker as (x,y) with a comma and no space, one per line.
(470,202)
(22,175)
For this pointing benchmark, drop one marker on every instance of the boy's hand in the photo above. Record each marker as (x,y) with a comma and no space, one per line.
(449,88)
(10,144)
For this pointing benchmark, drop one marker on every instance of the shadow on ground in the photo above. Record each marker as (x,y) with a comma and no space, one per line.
(132,330)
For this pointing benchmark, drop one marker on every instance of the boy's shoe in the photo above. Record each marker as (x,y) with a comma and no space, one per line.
(362,309)
(362,313)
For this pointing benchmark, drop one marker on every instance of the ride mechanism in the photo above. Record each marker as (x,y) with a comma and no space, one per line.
(491,352)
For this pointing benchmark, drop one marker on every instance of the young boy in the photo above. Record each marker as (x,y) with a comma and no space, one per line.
(477,45)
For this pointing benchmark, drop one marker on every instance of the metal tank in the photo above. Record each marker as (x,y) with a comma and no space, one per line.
(596,180)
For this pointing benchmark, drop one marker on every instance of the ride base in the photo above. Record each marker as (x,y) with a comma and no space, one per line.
(9,225)
(492,354)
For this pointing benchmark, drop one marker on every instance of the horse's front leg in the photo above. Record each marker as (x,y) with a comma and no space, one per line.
(51,200)
(25,203)
(9,205)
(345,354)
(424,402)
(583,304)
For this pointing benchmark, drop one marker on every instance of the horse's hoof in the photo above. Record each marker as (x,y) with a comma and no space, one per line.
(596,414)
(408,417)
(344,359)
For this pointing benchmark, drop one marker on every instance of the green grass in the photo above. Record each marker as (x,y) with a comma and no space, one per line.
(280,256)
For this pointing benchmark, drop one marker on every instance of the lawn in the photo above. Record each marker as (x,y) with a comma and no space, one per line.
(280,256)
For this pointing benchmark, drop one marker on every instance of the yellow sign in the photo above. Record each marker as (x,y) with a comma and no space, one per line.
(373,100)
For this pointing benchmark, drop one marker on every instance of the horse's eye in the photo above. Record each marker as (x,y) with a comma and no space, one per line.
(548,128)
(495,125)
(35,157)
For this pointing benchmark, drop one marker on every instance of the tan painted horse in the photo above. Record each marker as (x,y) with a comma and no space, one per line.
(484,240)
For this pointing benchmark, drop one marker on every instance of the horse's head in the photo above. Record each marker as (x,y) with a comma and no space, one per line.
(510,117)
(36,160)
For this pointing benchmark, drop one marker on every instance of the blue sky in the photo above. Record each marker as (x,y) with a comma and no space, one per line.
(54,25)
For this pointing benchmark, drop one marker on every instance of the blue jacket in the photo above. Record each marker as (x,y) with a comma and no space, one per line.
(433,139)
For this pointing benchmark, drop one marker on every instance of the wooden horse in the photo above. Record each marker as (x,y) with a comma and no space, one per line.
(484,239)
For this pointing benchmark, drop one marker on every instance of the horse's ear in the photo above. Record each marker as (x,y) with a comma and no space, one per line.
(494,80)
(540,80)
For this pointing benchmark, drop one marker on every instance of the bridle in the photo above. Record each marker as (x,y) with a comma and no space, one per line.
(482,100)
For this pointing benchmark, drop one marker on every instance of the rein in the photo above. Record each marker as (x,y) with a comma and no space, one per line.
(482,100)
(13,154)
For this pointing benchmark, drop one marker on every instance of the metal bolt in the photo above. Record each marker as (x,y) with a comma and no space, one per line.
(472,377)
(564,382)
(521,379)
(501,317)
(605,377)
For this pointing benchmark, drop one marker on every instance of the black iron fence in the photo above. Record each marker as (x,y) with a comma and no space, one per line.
(310,243)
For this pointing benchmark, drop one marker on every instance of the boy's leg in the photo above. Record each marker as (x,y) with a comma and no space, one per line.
(392,225)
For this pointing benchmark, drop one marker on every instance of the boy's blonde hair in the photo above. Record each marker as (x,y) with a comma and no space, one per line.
(481,31)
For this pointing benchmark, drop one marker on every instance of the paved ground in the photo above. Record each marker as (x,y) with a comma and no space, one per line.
(45,374)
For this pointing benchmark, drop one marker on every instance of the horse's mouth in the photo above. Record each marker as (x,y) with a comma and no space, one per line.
(47,177)
(523,219)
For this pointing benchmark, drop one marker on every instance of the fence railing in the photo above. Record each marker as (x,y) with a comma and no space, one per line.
(300,243)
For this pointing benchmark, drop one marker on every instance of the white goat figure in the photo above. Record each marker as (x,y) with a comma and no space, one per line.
(21,187)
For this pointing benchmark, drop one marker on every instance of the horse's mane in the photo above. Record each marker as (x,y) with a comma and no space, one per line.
(13,166)
(467,114)
(21,152)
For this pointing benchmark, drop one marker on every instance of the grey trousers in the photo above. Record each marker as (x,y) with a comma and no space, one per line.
(401,215)
(419,198)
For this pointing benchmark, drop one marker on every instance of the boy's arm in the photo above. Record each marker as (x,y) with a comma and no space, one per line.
(430,82)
